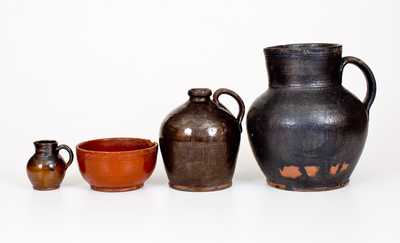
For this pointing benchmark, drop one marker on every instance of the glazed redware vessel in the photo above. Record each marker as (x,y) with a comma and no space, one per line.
(46,168)
(200,140)
(116,164)
(307,131)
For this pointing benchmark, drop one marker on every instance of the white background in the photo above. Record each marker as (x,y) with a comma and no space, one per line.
(76,70)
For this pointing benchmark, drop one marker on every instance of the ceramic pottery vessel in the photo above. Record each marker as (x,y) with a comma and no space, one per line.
(116,164)
(46,168)
(307,131)
(199,142)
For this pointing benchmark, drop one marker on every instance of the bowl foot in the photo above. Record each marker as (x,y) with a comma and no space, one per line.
(308,189)
(116,189)
(200,188)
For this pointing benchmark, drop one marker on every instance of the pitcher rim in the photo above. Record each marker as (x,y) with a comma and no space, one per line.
(303,49)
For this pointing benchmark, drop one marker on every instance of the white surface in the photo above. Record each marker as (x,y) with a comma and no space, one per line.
(76,70)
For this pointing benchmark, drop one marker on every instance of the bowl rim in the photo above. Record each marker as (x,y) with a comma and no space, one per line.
(152,147)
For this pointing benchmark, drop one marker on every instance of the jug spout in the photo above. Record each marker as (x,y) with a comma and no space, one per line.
(199,94)
(304,65)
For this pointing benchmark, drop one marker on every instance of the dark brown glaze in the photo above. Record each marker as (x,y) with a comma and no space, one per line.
(199,142)
(307,131)
(46,168)
(116,164)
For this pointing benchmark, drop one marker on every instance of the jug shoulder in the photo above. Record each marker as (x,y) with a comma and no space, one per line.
(201,121)
(39,161)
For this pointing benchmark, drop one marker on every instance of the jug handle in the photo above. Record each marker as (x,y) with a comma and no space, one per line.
(239,100)
(70,153)
(369,76)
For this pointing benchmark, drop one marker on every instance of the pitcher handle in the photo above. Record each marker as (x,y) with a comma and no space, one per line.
(369,76)
(69,150)
(239,100)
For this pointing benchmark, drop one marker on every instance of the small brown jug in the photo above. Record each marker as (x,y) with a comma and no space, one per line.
(46,168)
(200,140)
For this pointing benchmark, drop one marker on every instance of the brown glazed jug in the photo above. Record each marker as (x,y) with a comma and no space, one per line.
(307,131)
(46,168)
(199,142)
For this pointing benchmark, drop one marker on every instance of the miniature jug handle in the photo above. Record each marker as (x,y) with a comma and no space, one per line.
(369,76)
(239,100)
(69,150)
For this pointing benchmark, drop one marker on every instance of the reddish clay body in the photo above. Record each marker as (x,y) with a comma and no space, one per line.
(116,164)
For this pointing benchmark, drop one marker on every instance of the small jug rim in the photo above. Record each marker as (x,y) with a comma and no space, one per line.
(45,142)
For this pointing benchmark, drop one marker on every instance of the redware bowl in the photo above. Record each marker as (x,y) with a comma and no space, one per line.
(116,164)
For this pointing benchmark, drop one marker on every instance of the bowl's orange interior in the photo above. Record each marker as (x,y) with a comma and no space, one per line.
(116,145)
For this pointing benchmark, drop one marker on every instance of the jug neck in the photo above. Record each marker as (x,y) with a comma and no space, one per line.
(199,95)
(304,65)
(45,147)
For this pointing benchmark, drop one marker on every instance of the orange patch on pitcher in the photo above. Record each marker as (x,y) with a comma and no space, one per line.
(291,172)
(311,170)
(334,169)
(345,166)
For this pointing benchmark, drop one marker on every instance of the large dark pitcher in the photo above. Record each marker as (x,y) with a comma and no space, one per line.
(307,131)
